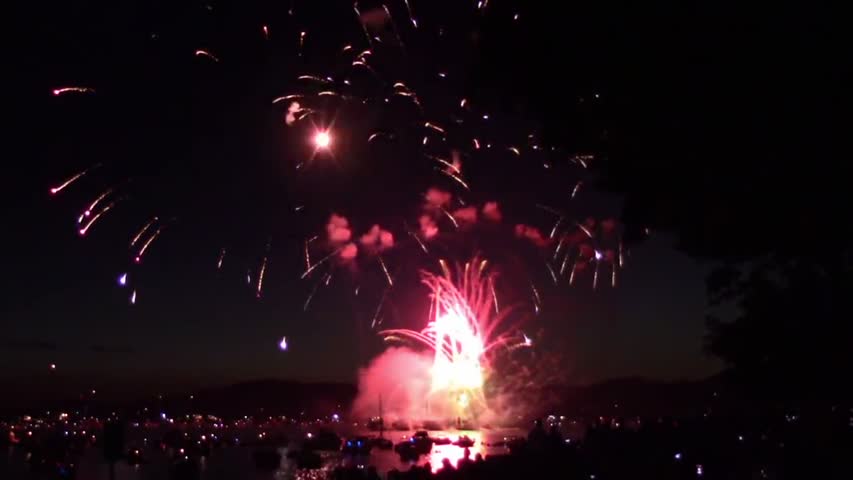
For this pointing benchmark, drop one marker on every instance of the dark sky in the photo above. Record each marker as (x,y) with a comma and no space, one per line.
(199,143)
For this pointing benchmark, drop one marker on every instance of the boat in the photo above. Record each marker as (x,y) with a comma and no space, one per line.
(357,446)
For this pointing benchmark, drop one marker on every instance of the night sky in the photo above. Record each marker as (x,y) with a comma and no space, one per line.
(198,142)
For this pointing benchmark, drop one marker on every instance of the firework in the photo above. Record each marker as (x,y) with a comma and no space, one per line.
(69,181)
(63,90)
(462,332)
(205,53)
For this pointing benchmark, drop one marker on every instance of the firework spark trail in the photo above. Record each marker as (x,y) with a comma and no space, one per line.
(537,300)
(595,275)
(444,268)
(63,90)
(142,231)
(448,215)
(563,265)
(70,180)
(147,243)
(307,256)
(559,247)
(322,261)
(221,259)
(385,269)
(409,10)
(556,225)
(95,218)
(495,297)
(575,190)
(447,164)
(483,265)
(373,321)
(551,271)
(314,78)
(301,42)
(133,298)
(476,143)
(205,53)
(261,276)
(613,275)
(457,178)
(434,127)
(311,295)
(621,257)
(417,239)
(286,97)
(266,32)
(94,204)
(363,26)
(585,230)
(515,151)
(572,274)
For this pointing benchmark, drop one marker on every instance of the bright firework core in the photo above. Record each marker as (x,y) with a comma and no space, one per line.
(322,139)
(462,331)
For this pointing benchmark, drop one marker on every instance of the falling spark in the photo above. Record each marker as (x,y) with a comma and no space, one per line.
(385,269)
(621,255)
(563,265)
(495,298)
(285,98)
(444,268)
(98,215)
(462,103)
(435,127)
(205,53)
(476,144)
(122,279)
(515,17)
(261,276)
(613,275)
(324,260)
(69,181)
(314,79)
(457,178)
(145,245)
(595,273)
(551,271)
(311,296)
(447,164)
(575,190)
(142,231)
(301,42)
(221,259)
(307,256)
(483,265)
(420,243)
(572,274)
(556,225)
(448,215)
(514,150)
(63,90)
(94,204)
(379,308)
(282,345)
(360,22)
(585,230)
(133,298)
(426,139)
(328,278)
(266,32)
(409,10)
(537,299)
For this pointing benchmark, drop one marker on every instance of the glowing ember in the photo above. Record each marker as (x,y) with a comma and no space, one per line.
(322,139)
